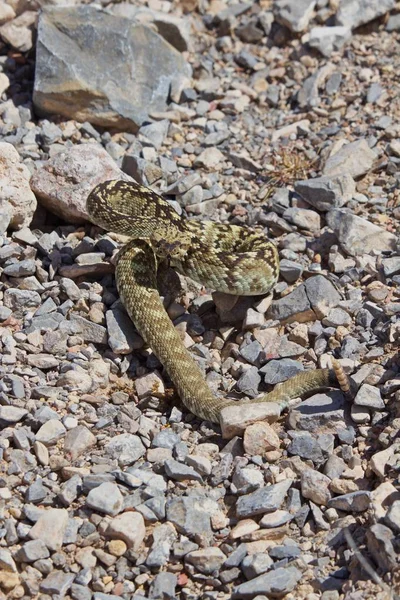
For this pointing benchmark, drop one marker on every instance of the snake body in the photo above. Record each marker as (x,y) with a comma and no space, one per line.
(227,258)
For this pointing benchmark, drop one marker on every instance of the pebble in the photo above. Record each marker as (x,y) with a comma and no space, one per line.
(265,500)
(106,498)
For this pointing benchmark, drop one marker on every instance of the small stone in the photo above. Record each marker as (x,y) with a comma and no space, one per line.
(277,583)
(369,396)
(315,486)
(294,15)
(128,527)
(126,448)
(355,158)
(264,500)
(7,562)
(329,39)
(379,544)
(392,517)
(78,440)
(9,415)
(235,419)
(260,438)
(57,582)
(32,551)
(353,502)
(210,158)
(117,548)
(206,561)
(256,564)
(50,528)
(106,498)
(180,472)
(50,432)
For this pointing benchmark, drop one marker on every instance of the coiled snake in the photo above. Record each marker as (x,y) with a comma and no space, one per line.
(226,258)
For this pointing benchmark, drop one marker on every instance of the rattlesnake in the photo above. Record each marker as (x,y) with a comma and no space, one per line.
(226,258)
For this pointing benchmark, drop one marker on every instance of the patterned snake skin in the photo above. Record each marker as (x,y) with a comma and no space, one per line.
(226,258)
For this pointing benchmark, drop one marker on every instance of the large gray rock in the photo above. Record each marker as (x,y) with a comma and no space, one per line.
(353,13)
(358,236)
(96,67)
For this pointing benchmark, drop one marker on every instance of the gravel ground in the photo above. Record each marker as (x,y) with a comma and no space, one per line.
(280,116)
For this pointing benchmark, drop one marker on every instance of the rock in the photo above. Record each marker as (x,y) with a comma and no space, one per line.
(106,498)
(64,182)
(352,502)
(277,371)
(50,432)
(206,561)
(78,440)
(18,32)
(353,13)
(76,86)
(128,527)
(294,15)
(175,30)
(314,485)
(379,544)
(260,438)
(74,380)
(369,396)
(392,517)
(275,584)
(190,514)
(50,528)
(180,472)
(126,448)
(7,562)
(265,500)
(306,446)
(355,158)
(327,192)
(357,236)
(235,419)
(32,551)
(9,415)
(57,582)
(210,158)
(163,586)
(322,412)
(329,39)
(15,193)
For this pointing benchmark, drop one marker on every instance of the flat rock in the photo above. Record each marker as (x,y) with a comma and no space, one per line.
(235,419)
(329,39)
(294,14)
(71,61)
(355,158)
(322,412)
(353,13)
(16,197)
(275,584)
(128,527)
(64,182)
(327,192)
(206,560)
(106,498)
(358,236)
(265,500)
(50,528)
(353,502)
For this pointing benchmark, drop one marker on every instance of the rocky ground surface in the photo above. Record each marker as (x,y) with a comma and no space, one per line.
(281,116)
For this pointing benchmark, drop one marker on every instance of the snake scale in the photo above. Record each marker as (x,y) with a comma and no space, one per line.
(226,258)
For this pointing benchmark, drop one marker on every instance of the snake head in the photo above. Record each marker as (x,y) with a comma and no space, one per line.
(173,248)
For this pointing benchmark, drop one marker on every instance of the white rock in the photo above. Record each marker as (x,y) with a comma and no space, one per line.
(15,193)
(50,528)
(128,527)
